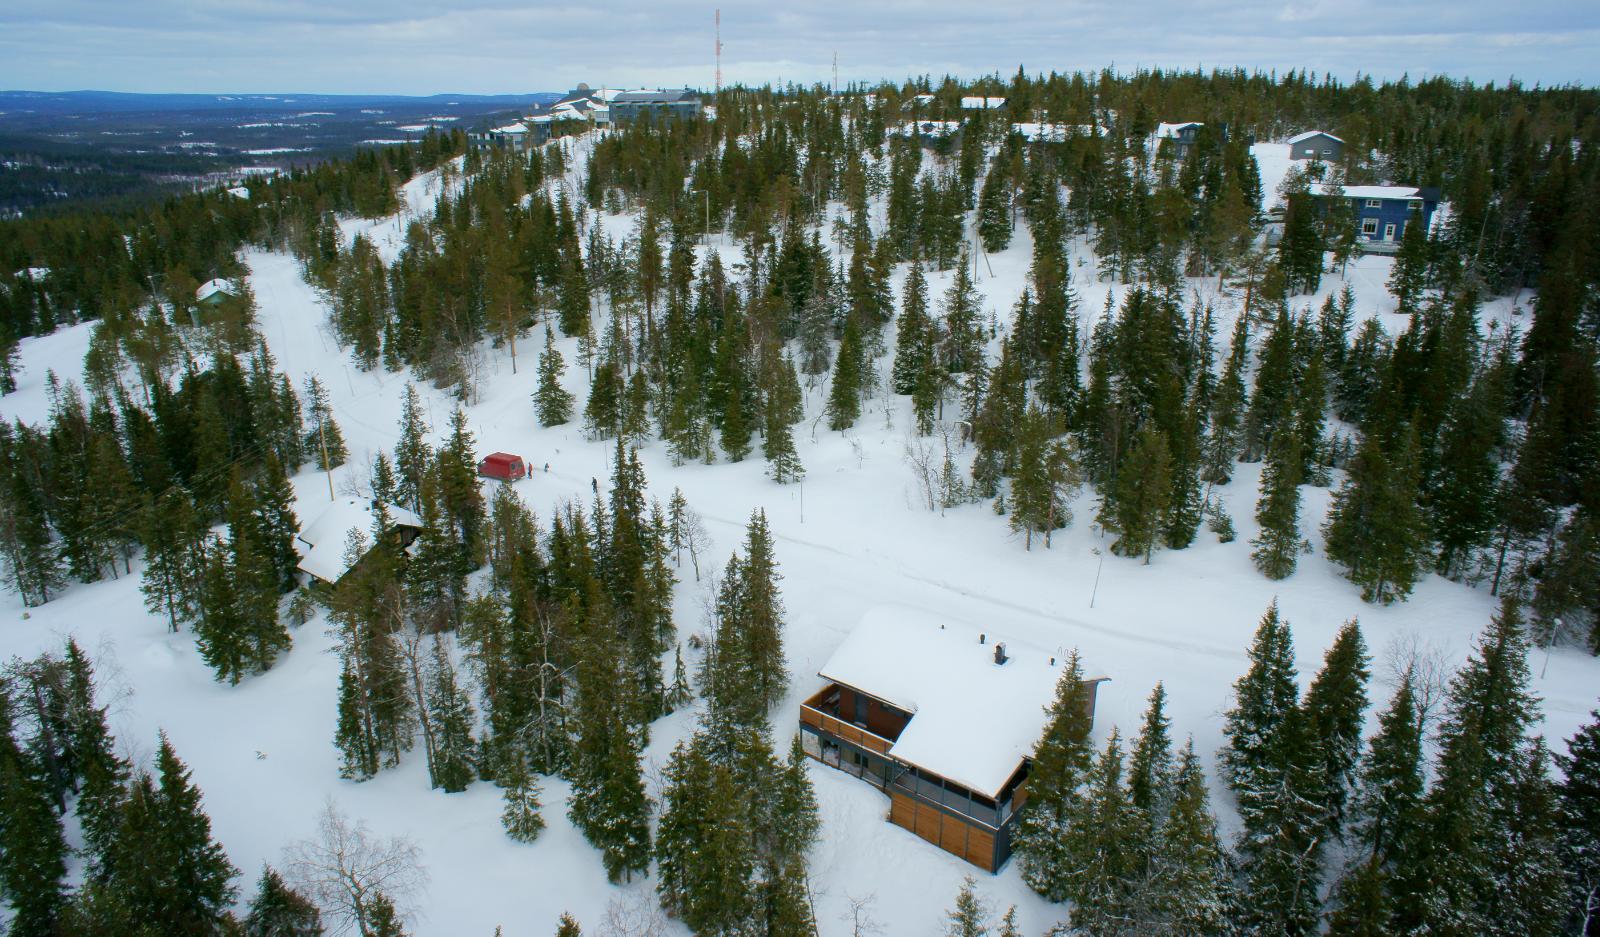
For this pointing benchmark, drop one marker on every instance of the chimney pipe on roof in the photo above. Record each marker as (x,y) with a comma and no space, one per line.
(1000,652)
(981,637)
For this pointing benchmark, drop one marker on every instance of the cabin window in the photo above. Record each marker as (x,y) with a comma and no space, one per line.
(1369,226)
(1414,206)
(1374,203)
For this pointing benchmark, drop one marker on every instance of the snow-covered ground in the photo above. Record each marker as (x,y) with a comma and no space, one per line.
(855,535)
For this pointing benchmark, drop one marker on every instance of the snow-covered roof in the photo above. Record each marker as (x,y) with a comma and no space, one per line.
(973,721)
(1051,133)
(1370,191)
(36,274)
(323,541)
(1303,137)
(982,104)
(239,191)
(1171,131)
(211,288)
(511,130)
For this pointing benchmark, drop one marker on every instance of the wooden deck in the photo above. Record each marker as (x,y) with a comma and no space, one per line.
(838,728)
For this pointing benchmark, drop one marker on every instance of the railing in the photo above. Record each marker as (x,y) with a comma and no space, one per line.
(838,728)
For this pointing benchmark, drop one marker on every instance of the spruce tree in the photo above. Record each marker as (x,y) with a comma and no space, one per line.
(172,572)
(279,911)
(1185,887)
(704,843)
(411,452)
(1335,707)
(1224,437)
(323,439)
(1277,548)
(552,402)
(912,349)
(968,918)
(844,395)
(1579,805)
(1386,817)
(1061,763)
(994,209)
(450,714)
(33,848)
(276,524)
(1101,845)
(521,816)
(1375,528)
(1150,779)
(1140,495)
(1409,276)
(608,803)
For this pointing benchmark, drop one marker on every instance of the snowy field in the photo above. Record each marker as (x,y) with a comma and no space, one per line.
(854,536)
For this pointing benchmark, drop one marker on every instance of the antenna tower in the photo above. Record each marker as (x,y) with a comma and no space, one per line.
(719,50)
(835,72)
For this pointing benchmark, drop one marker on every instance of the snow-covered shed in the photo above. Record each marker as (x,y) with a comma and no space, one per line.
(322,543)
(944,718)
(215,291)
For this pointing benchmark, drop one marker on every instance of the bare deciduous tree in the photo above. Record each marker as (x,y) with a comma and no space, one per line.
(345,869)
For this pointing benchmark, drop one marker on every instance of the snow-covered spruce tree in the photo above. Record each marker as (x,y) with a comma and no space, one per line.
(1376,528)
(1569,590)
(1490,862)
(451,716)
(1150,779)
(551,401)
(1101,848)
(1277,548)
(1335,708)
(913,345)
(844,392)
(521,815)
(994,208)
(608,802)
(170,581)
(1061,764)
(1410,272)
(412,455)
(1386,822)
(1579,793)
(277,910)
(1269,763)
(703,843)
(602,414)
(1184,890)
(968,918)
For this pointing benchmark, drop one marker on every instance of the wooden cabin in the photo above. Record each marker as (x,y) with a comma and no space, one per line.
(943,718)
(324,541)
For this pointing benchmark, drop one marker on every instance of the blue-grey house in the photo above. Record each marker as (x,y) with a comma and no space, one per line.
(1382,212)
(630,106)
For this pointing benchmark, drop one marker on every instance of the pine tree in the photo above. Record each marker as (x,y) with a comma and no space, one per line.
(552,402)
(1375,527)
(323,439)
(521,817)
(279,911)
(1061,763)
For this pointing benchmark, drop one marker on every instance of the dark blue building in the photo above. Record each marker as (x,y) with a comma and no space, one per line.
(1382,212)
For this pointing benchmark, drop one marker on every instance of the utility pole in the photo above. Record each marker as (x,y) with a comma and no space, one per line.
(836,73)
(719,51)
(322,438)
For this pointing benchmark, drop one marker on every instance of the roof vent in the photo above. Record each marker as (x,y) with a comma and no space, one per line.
(981,637)
(1000,652)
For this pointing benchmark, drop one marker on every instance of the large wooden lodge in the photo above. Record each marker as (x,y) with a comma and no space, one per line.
(942,718)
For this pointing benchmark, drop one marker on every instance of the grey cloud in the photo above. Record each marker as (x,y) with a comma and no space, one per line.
(411,46)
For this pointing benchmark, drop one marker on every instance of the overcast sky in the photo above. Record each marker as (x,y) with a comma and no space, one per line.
(493,46)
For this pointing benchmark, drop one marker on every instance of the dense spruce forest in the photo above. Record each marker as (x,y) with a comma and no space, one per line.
(509,643)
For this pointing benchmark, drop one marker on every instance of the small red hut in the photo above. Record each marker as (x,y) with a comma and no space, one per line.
(502,465)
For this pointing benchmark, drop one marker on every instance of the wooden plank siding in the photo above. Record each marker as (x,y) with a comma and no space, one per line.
(965,840)
(844,730)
